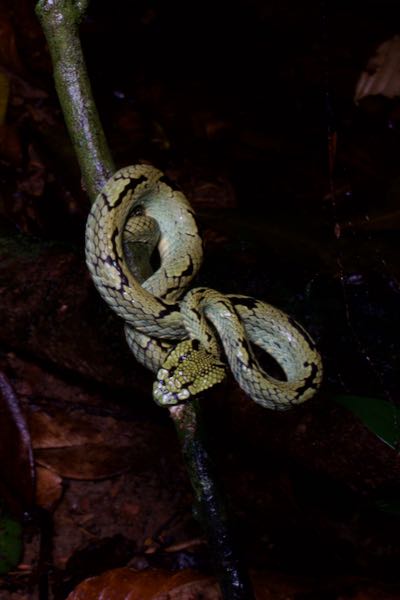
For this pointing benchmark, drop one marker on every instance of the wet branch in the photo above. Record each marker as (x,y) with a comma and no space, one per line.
(60,21)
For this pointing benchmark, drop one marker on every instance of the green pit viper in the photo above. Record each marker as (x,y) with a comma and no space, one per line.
(180,335)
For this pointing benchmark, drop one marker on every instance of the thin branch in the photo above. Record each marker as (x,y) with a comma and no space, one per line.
(60,20)
(211,510)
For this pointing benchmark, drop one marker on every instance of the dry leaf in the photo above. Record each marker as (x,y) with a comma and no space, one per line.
(48,488)
(88,447)
(60,430)
(90,461)
(382,73)
(126,584)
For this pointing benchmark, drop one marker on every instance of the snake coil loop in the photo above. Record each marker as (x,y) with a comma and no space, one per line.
(179,336)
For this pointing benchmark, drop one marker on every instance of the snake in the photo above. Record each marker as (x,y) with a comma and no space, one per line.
(143,250)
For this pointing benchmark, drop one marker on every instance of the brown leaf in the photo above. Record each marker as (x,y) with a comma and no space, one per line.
(48,488)
(126,584)
(90,461)
(382,73)
(61,430)
(87,447)
(16,459)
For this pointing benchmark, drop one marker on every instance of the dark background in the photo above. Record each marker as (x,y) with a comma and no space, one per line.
(249,107)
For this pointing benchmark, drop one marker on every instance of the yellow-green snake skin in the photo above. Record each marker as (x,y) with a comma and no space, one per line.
(181,336)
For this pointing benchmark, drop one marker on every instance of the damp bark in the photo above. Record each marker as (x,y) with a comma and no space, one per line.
(60,21)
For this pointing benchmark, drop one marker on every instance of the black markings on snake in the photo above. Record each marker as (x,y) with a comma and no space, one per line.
(119,259)
(110,261)
(105,199)
(189,269)
(244,363)
(224,305)
(114,238)
(156,342)
(197,313)
(309,382)
(246,301)
(167,310)
(130,187)
(186,273)
(169,290)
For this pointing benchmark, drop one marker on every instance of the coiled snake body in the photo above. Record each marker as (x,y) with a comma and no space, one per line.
(180,336)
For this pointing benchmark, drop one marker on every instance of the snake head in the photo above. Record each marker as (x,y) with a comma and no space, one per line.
(187,371)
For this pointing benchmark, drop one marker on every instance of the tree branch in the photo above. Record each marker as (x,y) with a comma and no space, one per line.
(60,20)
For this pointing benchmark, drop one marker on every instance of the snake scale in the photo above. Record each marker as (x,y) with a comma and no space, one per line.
(178,335)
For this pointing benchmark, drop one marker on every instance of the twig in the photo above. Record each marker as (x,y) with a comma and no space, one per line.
(234,581)
(60,20)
